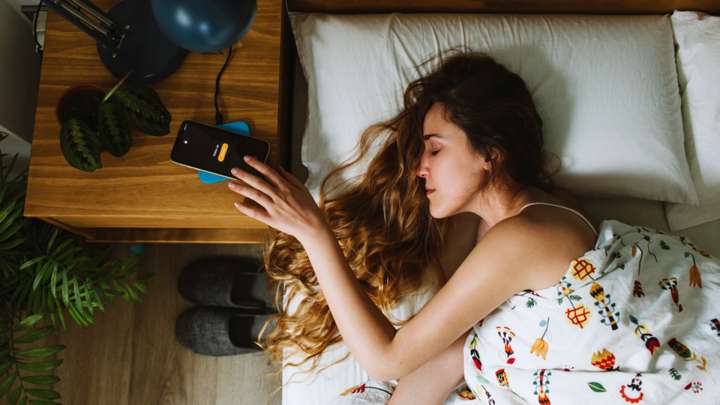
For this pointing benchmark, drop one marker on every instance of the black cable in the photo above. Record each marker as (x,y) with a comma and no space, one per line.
(38,47)
(218,115)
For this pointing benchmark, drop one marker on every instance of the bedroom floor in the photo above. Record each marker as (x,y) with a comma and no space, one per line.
(130,356)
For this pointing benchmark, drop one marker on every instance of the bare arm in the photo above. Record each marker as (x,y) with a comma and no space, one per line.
(386,353)
(431,383)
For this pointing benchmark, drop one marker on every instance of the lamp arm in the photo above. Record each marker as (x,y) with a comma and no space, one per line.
(88,18)
(93,10)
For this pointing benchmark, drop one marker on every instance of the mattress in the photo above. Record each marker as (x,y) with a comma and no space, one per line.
(321,387)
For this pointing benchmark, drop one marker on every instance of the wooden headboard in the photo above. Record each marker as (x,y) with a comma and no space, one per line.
(505,6)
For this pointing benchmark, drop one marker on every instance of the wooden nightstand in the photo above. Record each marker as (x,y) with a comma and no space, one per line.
(142,196)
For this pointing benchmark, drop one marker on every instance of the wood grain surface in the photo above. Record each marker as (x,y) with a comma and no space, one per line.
(143,189)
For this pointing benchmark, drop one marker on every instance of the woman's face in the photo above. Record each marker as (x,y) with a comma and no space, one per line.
(449,166)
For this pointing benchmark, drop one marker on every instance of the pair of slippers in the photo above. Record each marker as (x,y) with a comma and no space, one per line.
(233,305)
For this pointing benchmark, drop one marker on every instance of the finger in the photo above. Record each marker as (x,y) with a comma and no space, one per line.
(253,181)
(251,193)
(268,171)
(254,211)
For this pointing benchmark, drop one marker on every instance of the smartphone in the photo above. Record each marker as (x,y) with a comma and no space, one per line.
(214,150)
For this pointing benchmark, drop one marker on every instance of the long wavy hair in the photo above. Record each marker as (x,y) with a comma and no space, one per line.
(382,221)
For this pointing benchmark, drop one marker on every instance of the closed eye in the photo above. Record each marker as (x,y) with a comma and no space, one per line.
(434,152)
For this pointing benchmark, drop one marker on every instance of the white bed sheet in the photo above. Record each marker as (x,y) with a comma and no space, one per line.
(321,388)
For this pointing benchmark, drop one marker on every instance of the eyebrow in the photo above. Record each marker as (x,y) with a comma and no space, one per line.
(428,136)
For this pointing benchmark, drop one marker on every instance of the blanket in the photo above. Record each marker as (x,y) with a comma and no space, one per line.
(635,320)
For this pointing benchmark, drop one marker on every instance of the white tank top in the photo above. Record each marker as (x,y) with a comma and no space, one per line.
(562,206)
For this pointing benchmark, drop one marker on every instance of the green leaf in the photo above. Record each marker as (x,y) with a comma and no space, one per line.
(56,231)
(114,129)
(7,383)
(31,320)
(596,386)
(40,351)
(34,335)
(7,209)
(97,299)
(80,145)
(53,280)
(77,315)
(42,393)
(71,252)
(12,244)
(15,394)
(60,315)
(4,367)
(76,291)
(65,292)
(31,262)
(41,379)
(39,276)
(39,366)
(12,231)
(62,246)
(144,108)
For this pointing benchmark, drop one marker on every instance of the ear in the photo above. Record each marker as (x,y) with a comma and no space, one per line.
(496,155)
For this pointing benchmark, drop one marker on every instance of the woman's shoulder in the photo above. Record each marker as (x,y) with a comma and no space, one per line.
(560,235)
(564,198)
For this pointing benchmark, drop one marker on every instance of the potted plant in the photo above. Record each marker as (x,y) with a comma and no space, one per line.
(93,121)
(45,274)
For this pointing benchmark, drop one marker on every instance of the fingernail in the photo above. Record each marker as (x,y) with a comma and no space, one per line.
(248,158)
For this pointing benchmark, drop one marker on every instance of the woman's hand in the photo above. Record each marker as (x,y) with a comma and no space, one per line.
(285,205)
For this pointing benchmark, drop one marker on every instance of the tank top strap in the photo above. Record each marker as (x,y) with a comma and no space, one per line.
(562,206)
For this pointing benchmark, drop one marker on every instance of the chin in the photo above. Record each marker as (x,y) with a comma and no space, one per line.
(440,214)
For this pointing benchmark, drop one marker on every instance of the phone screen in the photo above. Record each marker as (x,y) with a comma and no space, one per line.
(216,150)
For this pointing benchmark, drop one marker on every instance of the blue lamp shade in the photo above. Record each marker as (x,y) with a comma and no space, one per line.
(204,25)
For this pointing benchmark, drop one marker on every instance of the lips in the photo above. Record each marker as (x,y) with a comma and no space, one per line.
(429,190)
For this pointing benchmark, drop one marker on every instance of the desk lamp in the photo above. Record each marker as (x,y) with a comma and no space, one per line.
(152,38)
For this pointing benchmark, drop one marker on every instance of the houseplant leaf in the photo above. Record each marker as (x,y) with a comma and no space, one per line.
(41,379)
(113,128)
(39,366)
(6,383)
(40,351)
(145,110)
(80,145)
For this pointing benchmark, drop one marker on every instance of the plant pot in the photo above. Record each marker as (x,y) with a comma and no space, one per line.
(81,102)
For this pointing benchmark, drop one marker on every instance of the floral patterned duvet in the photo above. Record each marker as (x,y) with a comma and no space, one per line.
(633,321)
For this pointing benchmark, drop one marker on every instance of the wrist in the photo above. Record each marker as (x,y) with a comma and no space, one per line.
(317,235)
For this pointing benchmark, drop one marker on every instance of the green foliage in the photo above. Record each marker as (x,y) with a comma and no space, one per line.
(89,129)
(80,145)
(47,273)
(113,128)
(144,107)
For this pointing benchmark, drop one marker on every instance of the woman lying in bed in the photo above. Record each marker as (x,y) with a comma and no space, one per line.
(543,308)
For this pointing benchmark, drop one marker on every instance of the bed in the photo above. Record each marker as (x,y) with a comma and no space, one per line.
(678,131)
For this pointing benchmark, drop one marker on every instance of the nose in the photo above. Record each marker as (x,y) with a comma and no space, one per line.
(422,170)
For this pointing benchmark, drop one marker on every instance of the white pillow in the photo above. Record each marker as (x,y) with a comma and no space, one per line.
(605,87)
(698,62)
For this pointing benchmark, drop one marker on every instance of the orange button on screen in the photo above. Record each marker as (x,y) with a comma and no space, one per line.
(223,151)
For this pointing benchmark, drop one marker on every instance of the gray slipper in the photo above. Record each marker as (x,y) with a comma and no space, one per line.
(219,331)
(226,281)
